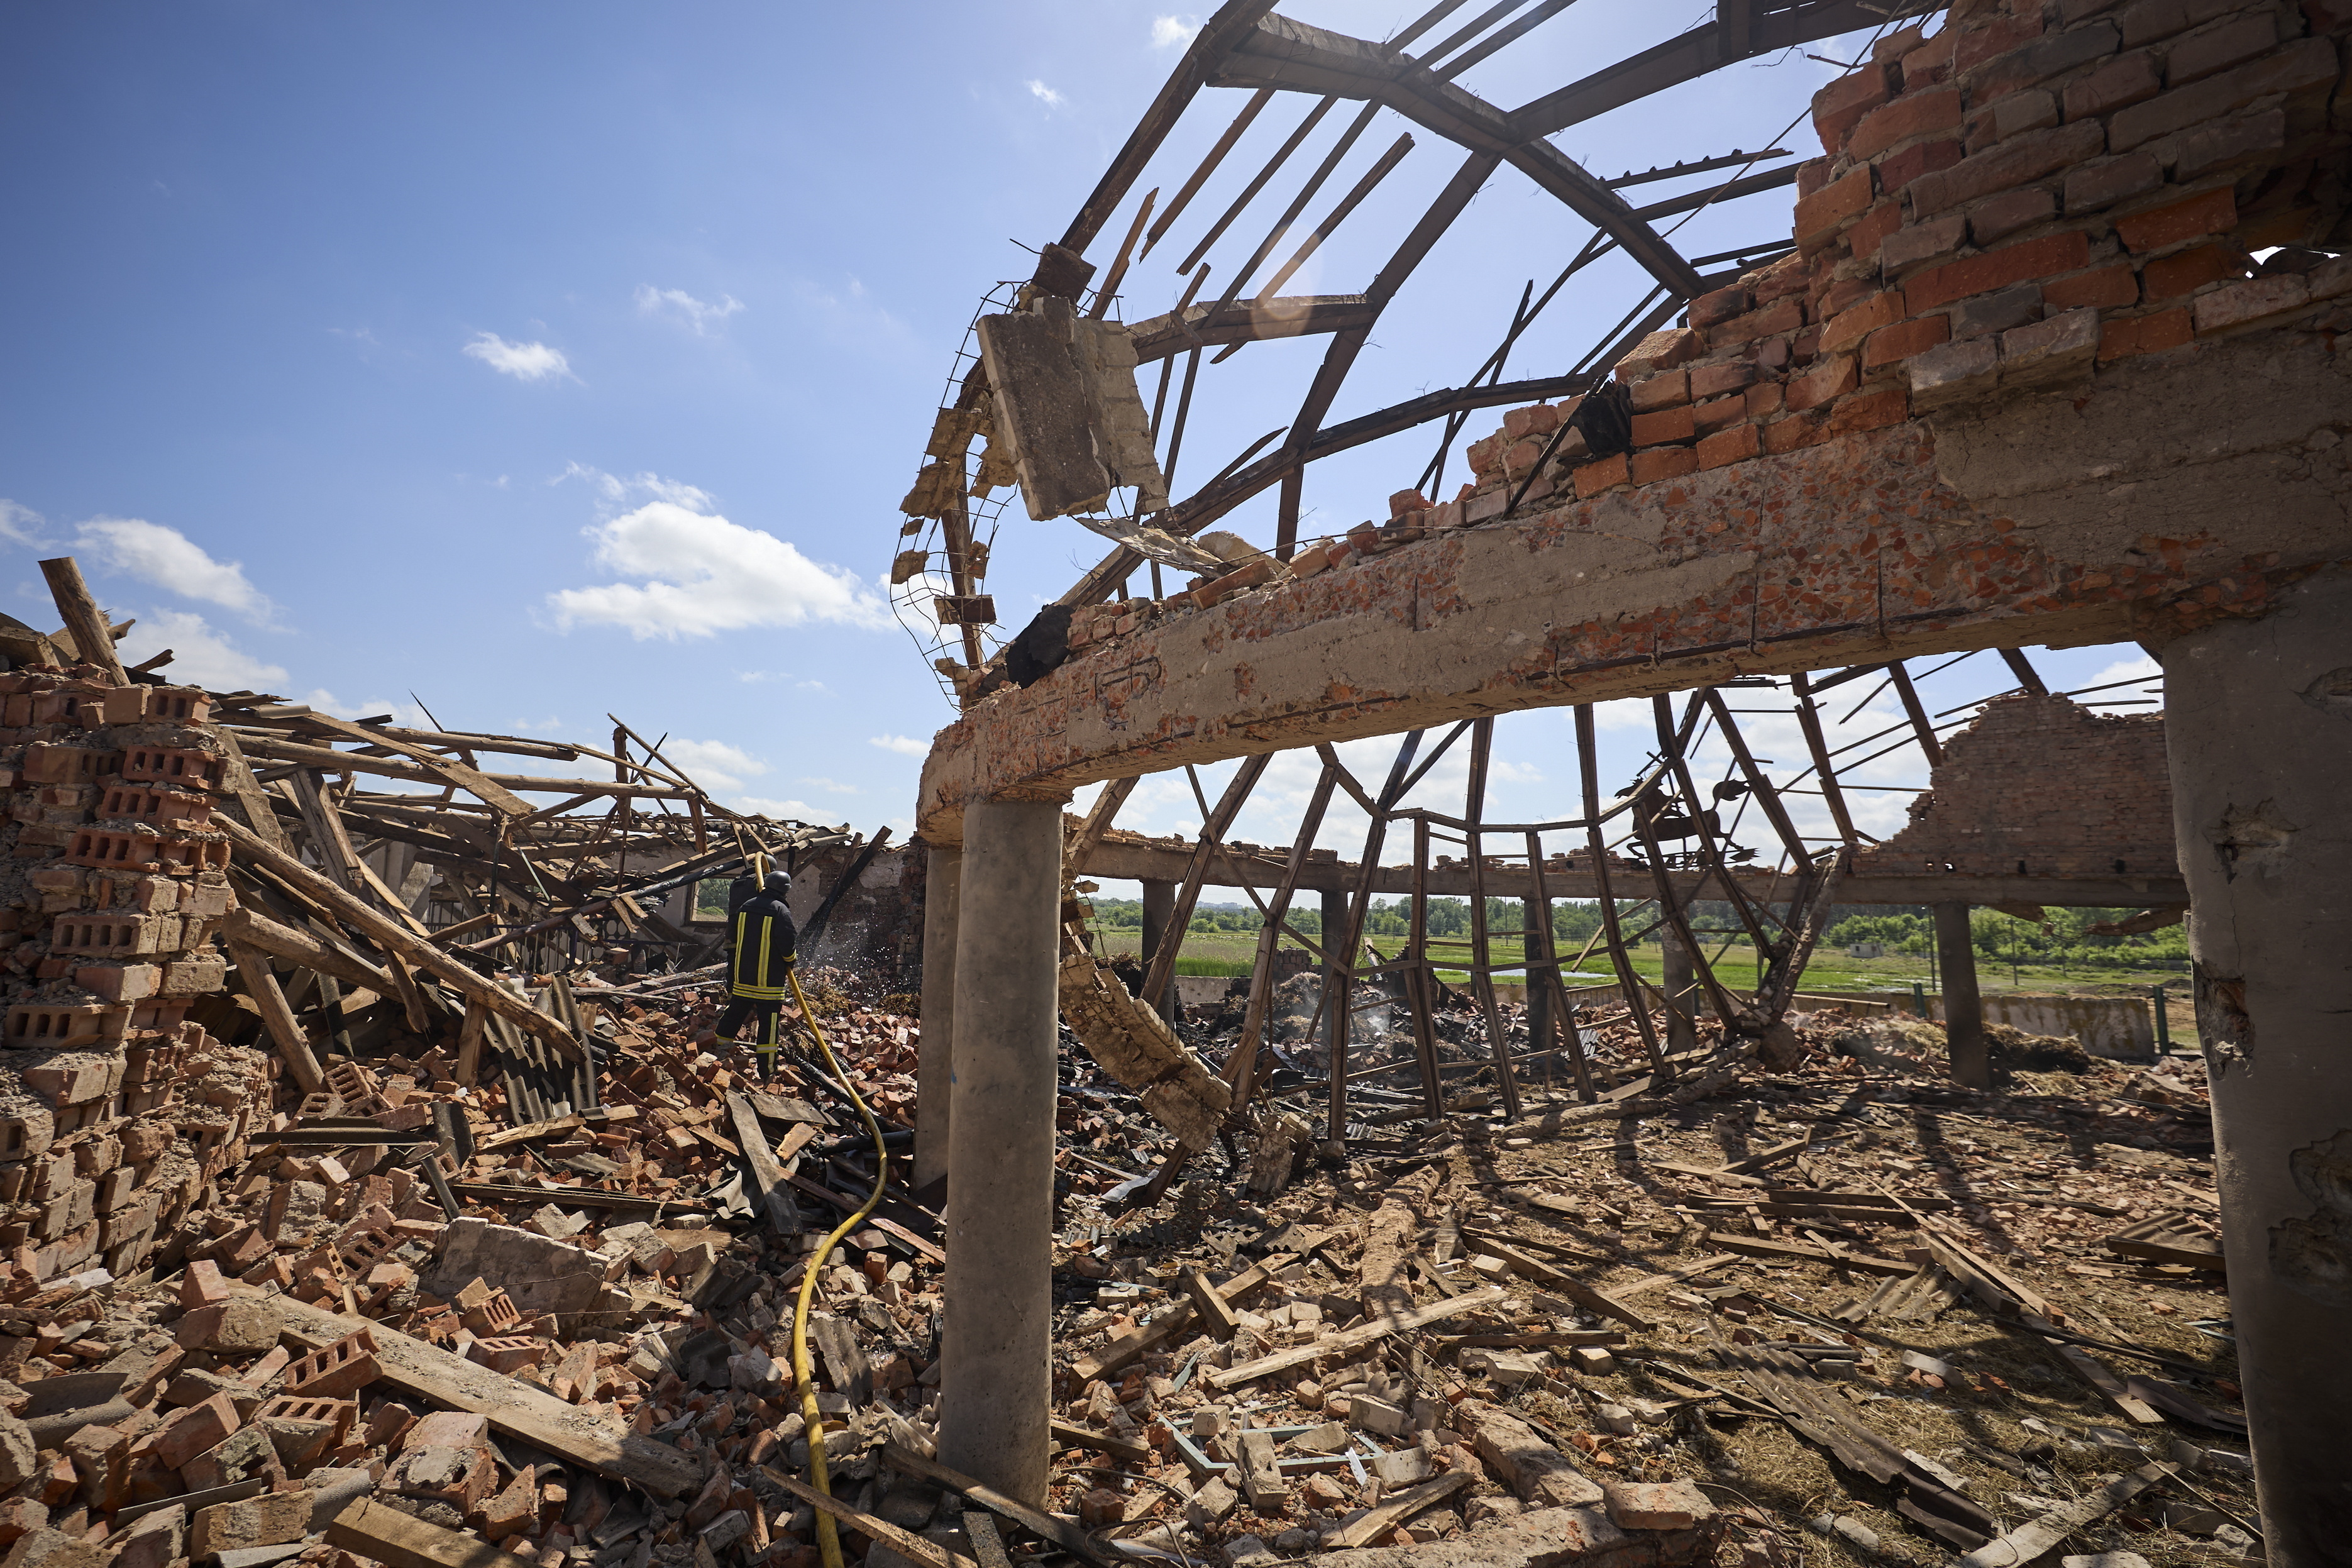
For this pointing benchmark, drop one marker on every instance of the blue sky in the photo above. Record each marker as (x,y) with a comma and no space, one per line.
(545,361)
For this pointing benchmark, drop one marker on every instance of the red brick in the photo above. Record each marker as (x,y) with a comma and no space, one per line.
(2039,60)
(1839,106)
(1720,306)
(1664,463)
(1831,379)
(1870,411)
(193,1430)
(1729,445)
(1782,315)
(1715,379)
(1820,217)
(2009,212)
(2017,162)
(2308,63)
(2208,212)
(1904,339)
(2124,336)
(2221,49)
(1907,248)
(1880,221)
(1791,434)
(2106,181)
(202,1285)
(1591,478)
(1661,391)
(1973,47)
(1665,425)
(2108,288)
(1765,397)
(1913,114)
(2185,271)
(2147,20)
(2126,79)
(2053,253)
(1848,328)
(1898,170)
(2255,299)
(1930,62)
(1718,412)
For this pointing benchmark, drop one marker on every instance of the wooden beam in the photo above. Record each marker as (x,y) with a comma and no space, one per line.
(517,1409)
(387,934)
(1353,1338)
(767,1189)
(276,1016)
(328,757)
(1063,1533)
(879,1530)
(374,1530)
(1140,1340)
(93,636)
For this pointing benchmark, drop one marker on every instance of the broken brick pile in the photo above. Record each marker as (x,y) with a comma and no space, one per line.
(116,1107)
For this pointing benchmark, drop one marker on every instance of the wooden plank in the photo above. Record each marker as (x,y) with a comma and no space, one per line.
(1215,1315)
(1071,1436)
(1141,1340)
(516,1408)
(767,1174)
(1568,1285)
(575,1197)
(886,1226)
(875,1530)
(1062,1533)
(1548,1339)
(1379,1520)
(353,761)
(369,1529)
(387,934)
(1674,1276)
(1352,1339)
(471,779)
(1756,1246)
(527,1132)
(2030,1540)
(285,1032)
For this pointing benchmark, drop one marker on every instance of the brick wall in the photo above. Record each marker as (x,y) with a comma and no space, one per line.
(115,1107)
(2042,786)
(2041,188)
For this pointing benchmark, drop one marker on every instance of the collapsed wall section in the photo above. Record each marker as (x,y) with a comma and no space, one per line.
(116,1108)
(2041,785)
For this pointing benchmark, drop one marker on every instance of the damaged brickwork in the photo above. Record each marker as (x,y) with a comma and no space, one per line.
(2099,802)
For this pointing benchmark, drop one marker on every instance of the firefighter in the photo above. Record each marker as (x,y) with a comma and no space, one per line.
(759,965)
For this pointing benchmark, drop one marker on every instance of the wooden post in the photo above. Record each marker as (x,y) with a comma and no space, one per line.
(276,1016)
(469,1042)
(93,639)
(1159,905)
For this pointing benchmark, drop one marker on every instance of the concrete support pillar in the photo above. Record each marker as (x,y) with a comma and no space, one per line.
(2258,720)
(935,1069)
(995,1356)
(1956,955)
(1337,907)
(1680,981)
(1158,914)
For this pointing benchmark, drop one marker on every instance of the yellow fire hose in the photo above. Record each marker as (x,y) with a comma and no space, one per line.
(828,1538)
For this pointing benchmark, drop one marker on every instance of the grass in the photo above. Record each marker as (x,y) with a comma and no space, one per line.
(1233,952)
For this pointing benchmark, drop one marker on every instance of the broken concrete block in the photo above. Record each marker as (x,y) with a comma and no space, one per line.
(153,1540)
(269,1519)
(1525,1463)
(193,1430)
(1655,1505)
(1211,1502)
(343,1368)
(538,1275)
(47,1548)
(1593,1361)
(18,1458)
(238,1327)
(1261,1475)
(1377,1415)
(1402,1467)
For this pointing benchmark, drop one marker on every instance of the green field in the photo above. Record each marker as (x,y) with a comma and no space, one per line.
(1225,953)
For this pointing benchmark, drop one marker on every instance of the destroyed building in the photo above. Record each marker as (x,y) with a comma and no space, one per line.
(380,1192)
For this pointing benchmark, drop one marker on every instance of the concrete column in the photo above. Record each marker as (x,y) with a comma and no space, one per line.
(1158,914)
(1956,955)
(935,1069)
(1679,979)
(995,1356)
(1338,905)
(2258,718)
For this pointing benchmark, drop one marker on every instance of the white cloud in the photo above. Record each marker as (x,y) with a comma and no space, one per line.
(617,492)
(905,745)
(162,556)
(697,313)
(714,764)
(787,810)
(200,656)
(1046,95)
(1173,32)
(524,362)
(703,575)
(834,786)
(408,714)
(21,525)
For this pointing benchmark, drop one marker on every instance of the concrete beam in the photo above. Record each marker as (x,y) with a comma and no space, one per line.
(2092,512)
(1127,860)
